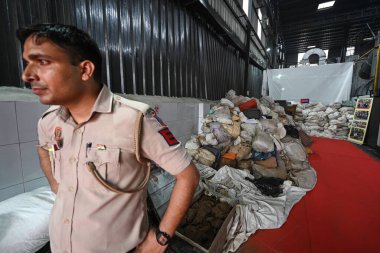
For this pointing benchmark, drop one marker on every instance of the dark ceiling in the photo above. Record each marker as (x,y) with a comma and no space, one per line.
(343,25)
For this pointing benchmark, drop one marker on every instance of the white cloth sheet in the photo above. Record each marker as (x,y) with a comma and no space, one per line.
(324,83)
(24,221)
(254,210)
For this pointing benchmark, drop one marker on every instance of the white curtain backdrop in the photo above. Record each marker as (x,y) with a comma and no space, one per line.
(324,83)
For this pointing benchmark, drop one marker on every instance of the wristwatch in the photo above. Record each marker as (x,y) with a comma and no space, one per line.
(162,237)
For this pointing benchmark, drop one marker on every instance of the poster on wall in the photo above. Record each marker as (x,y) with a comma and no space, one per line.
(360,122)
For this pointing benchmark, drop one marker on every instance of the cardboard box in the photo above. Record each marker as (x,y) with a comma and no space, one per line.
(160,187)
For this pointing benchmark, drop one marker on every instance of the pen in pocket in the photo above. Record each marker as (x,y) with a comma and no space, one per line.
(88,146)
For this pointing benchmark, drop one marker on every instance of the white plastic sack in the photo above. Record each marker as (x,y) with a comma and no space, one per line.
(24,221)
(262,142)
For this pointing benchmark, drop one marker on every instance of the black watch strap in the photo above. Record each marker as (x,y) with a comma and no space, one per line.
(162,237)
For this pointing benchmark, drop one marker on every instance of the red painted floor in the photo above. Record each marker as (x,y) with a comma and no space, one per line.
(342,212)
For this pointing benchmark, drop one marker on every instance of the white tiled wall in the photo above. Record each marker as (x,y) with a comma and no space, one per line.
(183,119)
(19,166)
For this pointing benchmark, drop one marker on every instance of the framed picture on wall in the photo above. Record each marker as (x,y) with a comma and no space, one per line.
(357,134)
(360,123)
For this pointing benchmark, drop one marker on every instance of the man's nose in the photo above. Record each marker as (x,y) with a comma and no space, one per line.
(29,75)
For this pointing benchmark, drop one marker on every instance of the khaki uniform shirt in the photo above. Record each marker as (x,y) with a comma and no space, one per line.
(86,216)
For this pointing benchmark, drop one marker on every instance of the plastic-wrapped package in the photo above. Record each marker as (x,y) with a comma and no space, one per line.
(305,178)
(193,143)
(231,94)
(222,114)
(205,157)
(246,136)
(227,102)
(294,149)
(211,140)
(193,152)
(264,110)
(205,128)
(267,101)
(242,117)
(279,109)
(233,130)
(250,128)
(273,126)
(222,135)
(242,151)
(262,142)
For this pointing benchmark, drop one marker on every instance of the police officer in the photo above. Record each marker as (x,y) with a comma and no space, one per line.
(88,125)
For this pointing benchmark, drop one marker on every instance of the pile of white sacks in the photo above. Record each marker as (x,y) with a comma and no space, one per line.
(330,121)
(233,151)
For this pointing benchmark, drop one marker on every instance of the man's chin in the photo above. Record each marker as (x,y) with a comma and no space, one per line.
(45,101)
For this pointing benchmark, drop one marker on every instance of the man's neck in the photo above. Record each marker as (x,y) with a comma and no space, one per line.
(81,110)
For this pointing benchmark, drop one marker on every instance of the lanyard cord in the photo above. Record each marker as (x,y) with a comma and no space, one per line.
(146,164)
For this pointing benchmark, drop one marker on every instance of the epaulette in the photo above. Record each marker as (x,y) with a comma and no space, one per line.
(142,107)
(51,109)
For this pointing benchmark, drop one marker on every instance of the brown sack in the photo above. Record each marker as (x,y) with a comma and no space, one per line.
(245,164)
(225,161)
(261,171)
(270,163)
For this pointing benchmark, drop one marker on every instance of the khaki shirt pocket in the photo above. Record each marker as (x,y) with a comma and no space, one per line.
(108,166)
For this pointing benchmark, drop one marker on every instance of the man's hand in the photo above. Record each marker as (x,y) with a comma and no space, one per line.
(150,244)
(54,186)
(43,154)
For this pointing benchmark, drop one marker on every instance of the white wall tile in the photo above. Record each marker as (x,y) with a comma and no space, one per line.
(11,191)
(188,126)
(29,161)
(8,123)
(175,127)
(34,184)
(168,112)
(28,114)
(10,165)
(188,110)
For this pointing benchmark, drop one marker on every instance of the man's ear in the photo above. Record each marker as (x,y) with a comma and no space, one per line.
(88,69)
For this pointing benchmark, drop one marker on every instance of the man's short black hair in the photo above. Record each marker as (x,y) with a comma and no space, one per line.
(76,42)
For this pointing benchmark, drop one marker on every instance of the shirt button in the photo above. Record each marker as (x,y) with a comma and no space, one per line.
(66,221)
(78,131)
(71,189)
(72,159)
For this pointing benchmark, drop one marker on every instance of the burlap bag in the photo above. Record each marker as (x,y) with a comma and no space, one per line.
(242,151)
(246,164)
(261,171)
(205,157)
(271,162)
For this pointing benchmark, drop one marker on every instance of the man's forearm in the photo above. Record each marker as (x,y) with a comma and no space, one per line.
(180,200)
(46,167)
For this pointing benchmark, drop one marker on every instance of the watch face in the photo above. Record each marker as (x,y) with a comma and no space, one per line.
(162,239)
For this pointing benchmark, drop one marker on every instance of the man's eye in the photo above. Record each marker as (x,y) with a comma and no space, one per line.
(43,62)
